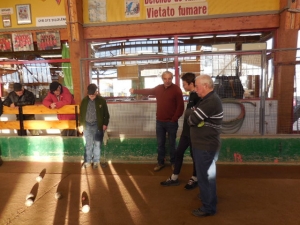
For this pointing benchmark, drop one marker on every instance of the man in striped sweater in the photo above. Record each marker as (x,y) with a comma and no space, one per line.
(205,127)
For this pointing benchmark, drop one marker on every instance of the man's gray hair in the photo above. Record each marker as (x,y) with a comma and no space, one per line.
(166,72)
(206,79)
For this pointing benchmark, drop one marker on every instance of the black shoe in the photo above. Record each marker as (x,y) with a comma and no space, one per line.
(200,213)
(170,182)
(191,184)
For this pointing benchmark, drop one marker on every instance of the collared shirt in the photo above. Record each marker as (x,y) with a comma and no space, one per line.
(91,112)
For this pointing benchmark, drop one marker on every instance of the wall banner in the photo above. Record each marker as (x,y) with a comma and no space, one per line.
(6,11)
(51,21)
(176,10)
(168,2)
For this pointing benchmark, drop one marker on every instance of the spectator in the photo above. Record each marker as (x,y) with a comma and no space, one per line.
(57,97)
(1,106)
(205,127)
(188,81)
(94,119)
(21,97)
(170,107)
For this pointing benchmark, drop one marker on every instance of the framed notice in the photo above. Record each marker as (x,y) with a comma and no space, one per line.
(48,40)
(22,42)
(6,19)
(5,43)
(23,14)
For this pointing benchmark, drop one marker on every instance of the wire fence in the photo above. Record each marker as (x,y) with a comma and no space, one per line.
(259,88)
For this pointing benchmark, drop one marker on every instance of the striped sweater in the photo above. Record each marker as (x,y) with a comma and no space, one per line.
(205,123)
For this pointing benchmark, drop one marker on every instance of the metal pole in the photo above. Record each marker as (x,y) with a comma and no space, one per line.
(262,104)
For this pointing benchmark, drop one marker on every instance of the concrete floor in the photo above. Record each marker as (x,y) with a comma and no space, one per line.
(131,194)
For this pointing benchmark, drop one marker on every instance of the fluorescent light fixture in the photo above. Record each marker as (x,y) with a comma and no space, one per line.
(3,58)
(226,35)
(252,34)
(193,51)
(100,43)
(203,37)
(114,42)
(158,39)
(184,38)
(141,39)
(51,56)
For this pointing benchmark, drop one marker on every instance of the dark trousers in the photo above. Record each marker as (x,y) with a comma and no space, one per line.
(68,132)
(205,163)
(25,117)
(162,128)
(184,143)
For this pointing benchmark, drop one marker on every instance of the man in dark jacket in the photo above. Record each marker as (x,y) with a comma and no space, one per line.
(188,82)
(20,97)
(94,119)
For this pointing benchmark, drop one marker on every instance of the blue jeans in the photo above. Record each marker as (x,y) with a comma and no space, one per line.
(162,128)
(93,139)
(205,163)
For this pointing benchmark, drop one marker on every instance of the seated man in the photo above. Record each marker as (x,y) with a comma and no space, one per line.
(21,97)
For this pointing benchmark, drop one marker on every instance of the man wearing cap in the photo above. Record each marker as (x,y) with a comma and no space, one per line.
(94,119)
(20,97)
(57,97)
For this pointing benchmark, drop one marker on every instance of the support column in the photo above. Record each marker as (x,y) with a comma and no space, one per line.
(74,15)
(286,37)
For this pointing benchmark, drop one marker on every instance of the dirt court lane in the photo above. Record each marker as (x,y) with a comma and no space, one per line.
(130,194)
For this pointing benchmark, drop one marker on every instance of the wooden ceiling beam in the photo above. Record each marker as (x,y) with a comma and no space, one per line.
(217,25)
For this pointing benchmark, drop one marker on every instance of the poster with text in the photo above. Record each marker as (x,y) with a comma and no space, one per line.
(22,42)
(5,43)
(48,40)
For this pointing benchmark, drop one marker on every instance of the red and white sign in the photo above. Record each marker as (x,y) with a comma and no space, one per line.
(176,10)
(168,2)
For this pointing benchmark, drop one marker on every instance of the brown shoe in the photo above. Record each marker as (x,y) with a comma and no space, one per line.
(158,167)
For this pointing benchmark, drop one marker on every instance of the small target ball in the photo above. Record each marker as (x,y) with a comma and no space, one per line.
(83,198)
(57,195)
(85,208)
(29,202)
(39,179)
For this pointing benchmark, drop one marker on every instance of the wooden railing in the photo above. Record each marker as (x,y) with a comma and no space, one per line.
(40,124)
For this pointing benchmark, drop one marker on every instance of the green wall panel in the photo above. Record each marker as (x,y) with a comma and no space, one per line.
(234,149)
